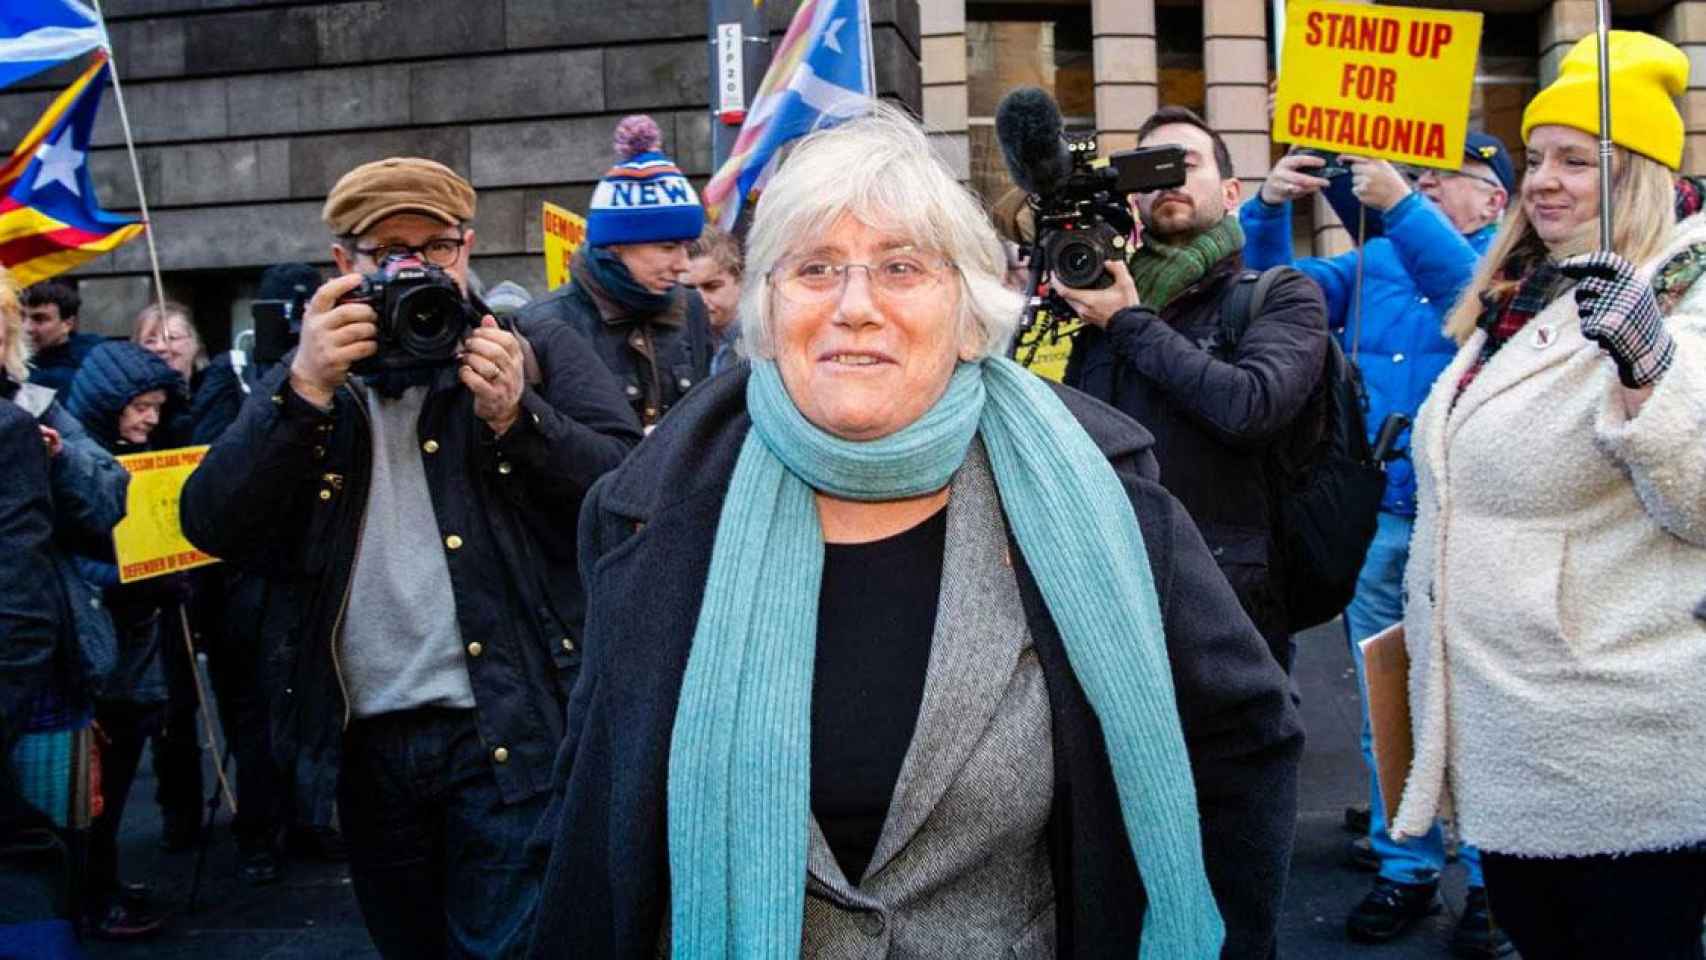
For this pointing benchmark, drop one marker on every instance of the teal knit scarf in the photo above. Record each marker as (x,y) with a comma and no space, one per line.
(1162,271)
(739,758)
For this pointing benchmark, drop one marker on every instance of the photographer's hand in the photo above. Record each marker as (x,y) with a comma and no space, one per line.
(1376,183)
(334,336)
(492,370)
(1097,307)
(1291,178)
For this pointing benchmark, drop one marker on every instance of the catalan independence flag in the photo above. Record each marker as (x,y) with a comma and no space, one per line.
(821,74)
(50,220)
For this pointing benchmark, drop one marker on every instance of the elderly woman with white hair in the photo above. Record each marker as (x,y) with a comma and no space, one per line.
(893,648)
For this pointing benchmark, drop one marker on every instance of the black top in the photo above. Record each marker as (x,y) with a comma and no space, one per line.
(875,617)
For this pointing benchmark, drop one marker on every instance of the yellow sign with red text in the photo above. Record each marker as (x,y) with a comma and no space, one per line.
(149,542)
(565,231)
(1377,81)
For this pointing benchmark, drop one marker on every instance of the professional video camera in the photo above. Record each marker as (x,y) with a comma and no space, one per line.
(423,316)
(1077,201)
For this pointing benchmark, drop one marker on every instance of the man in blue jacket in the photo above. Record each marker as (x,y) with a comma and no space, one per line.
(1433,234)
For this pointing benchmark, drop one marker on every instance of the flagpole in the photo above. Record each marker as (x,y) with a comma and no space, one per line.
(135,167)
(1604,126)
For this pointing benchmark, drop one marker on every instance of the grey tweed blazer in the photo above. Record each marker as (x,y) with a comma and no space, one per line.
(961,868)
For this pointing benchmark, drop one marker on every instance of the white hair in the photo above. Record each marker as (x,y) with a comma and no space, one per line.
(15,361)
(880,169)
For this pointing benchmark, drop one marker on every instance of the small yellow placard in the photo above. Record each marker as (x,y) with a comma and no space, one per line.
(149,541)
(1052,345)
(1377,81)
(565,231)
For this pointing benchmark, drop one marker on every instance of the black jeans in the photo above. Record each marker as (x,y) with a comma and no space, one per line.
(125,729)
(1647,905)
(437,859)
(244,713)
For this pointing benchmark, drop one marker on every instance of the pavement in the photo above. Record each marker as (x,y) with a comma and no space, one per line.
(311,914)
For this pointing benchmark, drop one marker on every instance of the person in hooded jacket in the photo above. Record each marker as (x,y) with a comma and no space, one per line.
(121,395)
(626,293)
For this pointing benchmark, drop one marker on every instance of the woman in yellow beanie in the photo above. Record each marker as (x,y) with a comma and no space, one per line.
(1560,542)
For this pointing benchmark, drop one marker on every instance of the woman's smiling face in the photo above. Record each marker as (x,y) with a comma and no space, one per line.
(865,361)
(1560,190)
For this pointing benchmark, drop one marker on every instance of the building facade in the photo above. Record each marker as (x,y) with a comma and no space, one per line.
(246,112)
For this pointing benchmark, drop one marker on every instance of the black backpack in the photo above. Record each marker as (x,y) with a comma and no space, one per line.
(1331,486)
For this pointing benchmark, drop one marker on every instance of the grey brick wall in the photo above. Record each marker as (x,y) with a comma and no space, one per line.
(245,113)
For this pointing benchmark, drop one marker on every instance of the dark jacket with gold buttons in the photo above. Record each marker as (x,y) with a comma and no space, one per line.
(656,359)
(283,492)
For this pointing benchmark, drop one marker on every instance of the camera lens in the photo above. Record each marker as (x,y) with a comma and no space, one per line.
(427,324)
(1077,263)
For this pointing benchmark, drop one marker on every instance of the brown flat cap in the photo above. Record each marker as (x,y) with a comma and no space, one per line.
(376,190)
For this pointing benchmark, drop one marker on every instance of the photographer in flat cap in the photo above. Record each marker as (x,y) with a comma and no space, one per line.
(417,469)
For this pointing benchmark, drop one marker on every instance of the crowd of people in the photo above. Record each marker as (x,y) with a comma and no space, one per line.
(743,598)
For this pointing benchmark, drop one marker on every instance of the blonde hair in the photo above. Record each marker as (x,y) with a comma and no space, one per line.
(1643,196)
(150,317)
(880,169)
(17,357)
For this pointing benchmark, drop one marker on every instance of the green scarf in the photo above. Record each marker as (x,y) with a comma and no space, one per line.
(739,784)
(1163,271)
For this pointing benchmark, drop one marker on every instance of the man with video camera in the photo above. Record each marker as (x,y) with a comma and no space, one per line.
(418,469)
(1153,347)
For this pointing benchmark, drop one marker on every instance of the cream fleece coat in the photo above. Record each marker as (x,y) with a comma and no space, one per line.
(1557,673)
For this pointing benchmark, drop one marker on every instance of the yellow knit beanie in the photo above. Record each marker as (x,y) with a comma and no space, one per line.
(1646,74)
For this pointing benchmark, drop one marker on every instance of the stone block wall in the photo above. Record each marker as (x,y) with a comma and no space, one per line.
(245,115)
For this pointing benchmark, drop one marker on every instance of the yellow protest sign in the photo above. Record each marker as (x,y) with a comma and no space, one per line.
(148,541)
(565,231)
(1377,81)
(1044,348)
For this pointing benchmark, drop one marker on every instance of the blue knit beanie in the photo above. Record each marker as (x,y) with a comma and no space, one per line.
(645,198)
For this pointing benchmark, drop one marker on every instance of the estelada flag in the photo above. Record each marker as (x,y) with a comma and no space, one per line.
(820,74)
(50,220)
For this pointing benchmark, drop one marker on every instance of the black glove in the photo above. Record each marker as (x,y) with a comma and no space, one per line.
(1620,314)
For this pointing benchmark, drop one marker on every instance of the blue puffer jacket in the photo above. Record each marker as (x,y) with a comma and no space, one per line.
(115,373)
(1410,279)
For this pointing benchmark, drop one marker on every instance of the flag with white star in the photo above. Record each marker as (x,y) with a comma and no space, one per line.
(50,220)
(38,34)
(820,74)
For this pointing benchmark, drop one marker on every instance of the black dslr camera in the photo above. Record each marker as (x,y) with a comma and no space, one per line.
(423,316)
(1077,202)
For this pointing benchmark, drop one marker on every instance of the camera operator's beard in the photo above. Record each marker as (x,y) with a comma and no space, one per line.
(1182,219)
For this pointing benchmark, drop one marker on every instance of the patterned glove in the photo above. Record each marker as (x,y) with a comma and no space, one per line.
(1620,314)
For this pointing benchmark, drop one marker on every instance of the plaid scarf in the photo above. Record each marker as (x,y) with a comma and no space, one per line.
(1162,271)
(1504,316)
(1690,197)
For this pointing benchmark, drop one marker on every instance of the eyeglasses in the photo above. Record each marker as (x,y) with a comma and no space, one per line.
(439,251)
(1417,173)
(899,277)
